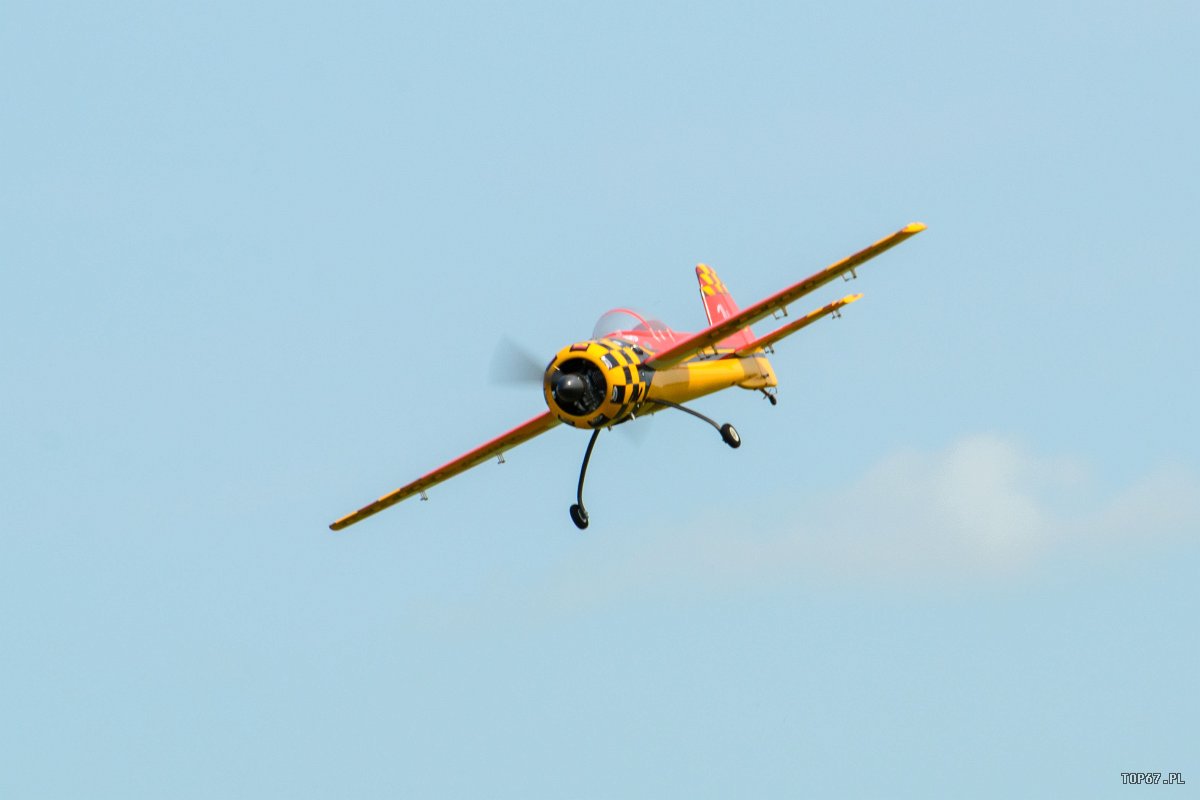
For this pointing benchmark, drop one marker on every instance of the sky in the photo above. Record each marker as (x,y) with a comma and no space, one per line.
(256,259)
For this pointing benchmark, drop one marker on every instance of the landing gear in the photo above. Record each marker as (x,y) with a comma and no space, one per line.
(728,433)
(578,511)
(770,395)
(579,514)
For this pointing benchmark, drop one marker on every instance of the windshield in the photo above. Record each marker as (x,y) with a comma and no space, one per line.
(626,320)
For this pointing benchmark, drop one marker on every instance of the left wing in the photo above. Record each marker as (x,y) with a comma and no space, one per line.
(518,435)
(715,333)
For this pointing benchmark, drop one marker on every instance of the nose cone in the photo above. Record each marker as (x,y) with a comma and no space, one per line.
(568,388)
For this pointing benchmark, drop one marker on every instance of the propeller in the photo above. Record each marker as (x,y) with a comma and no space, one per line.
(514,365)
(634,430)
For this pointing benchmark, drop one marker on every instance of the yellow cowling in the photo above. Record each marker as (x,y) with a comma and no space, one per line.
(615,383)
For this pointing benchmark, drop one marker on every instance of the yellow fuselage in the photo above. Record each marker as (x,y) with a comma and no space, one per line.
(610,382)
(691,379)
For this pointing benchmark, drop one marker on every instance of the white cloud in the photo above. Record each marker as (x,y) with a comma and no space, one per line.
(982,509)
(982,506)
(1163,506)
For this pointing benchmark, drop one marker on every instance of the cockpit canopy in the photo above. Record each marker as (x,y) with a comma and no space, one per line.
(629,321)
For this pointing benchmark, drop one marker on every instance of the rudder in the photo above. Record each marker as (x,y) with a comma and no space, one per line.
(719,306)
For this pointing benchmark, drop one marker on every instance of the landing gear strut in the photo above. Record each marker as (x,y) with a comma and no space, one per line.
(728,433)
(579,514)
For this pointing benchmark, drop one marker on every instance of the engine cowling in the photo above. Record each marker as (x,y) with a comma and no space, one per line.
(596,383)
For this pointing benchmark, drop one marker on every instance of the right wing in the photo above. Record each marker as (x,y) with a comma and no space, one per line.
(518,435)
(715,333)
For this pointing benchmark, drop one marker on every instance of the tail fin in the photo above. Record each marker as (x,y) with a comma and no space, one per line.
(720,306)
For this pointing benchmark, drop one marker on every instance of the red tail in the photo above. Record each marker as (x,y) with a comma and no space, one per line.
(720,306)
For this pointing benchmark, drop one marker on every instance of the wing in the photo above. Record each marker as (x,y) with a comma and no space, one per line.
(715,333)
(787,330)
(518,435)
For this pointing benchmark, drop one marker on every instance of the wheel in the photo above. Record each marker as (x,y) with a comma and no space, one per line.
(579,516)
(730,435)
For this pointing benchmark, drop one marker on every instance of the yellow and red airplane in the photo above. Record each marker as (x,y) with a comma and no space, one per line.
(633,366)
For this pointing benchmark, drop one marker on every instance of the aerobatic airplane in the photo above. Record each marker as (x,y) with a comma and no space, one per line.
(634,366)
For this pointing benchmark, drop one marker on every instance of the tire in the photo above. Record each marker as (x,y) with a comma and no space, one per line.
(579,516)
(730,435)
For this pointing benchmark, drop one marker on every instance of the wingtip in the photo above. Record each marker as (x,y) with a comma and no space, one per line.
(914,227)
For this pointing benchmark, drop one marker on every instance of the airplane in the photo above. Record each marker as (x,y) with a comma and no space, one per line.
(635,366)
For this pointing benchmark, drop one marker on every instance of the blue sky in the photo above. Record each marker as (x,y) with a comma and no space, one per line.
(254,263)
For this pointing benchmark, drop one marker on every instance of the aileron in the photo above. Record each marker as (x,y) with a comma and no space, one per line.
(496,447)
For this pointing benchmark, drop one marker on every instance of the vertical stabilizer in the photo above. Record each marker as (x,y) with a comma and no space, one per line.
(720,306)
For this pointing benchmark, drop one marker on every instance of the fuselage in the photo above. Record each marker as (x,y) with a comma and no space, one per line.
(700,376)
(609,379)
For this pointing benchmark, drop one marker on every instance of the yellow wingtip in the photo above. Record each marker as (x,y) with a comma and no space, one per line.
(914,227)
